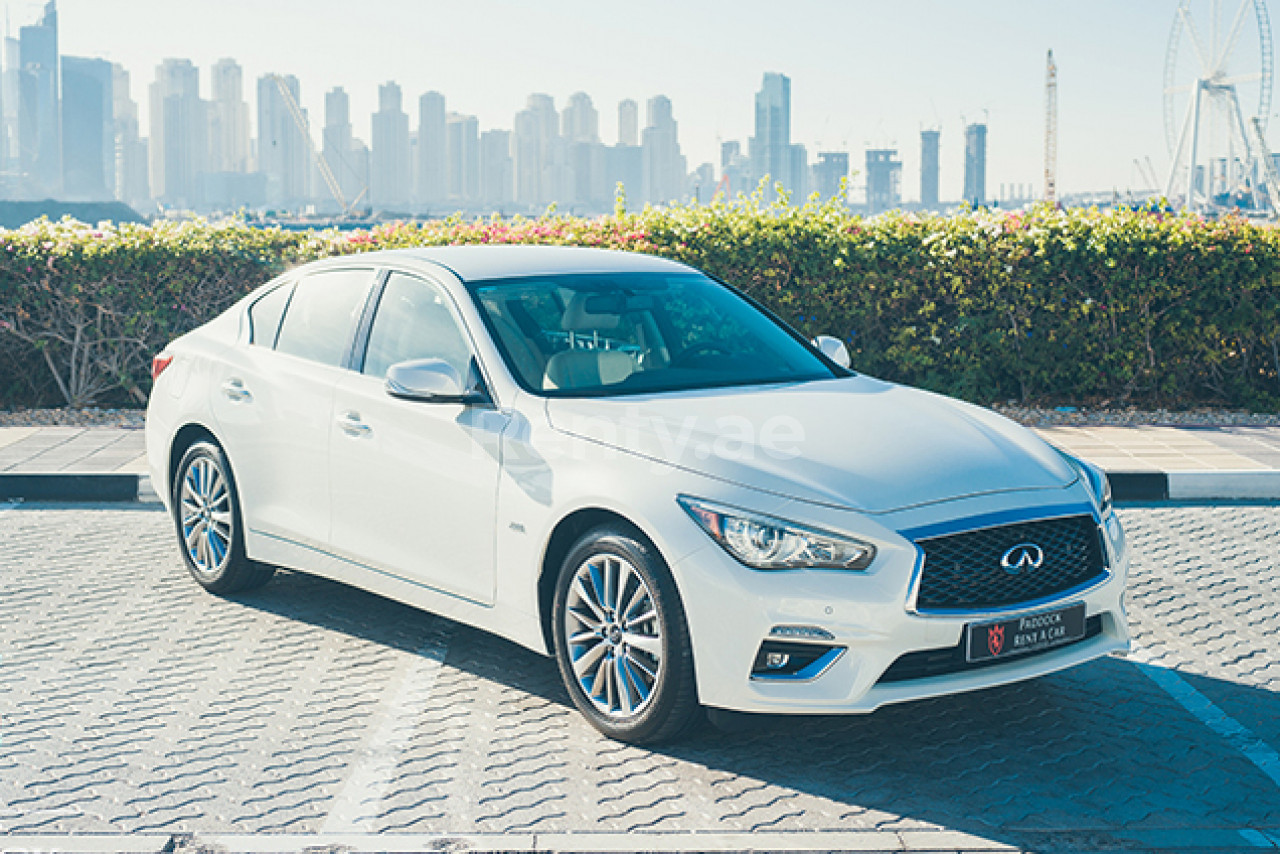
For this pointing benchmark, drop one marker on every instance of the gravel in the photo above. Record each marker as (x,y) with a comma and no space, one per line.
(133,419)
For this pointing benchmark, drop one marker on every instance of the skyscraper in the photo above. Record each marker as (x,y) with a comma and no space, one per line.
(628,123)
(539,153)
(433,187)
(975,164)
(132,184)
(10,100)
(929,168)
(497,172)
(579,122)
(389,183)
(832,168)
(735,169)
(341,151)
(884,177)
(179,134)
(228,119)
(663,164)
(283,154)
(88,129)
(462,156)
(39,113)
(770,148)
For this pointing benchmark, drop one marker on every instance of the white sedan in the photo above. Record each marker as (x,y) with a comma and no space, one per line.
(616,460)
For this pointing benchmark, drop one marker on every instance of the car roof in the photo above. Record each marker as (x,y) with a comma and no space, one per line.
(478,263)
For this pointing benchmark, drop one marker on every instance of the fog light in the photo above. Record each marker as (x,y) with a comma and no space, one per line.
(789,660)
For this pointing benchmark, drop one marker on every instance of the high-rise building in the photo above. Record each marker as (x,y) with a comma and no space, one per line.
(389,184)
(628,123)
(132,184)
(539,153)
(462,158)
(770,148)
(662,163)
(88,129)
(929,168)
(433,188)
(39,113)
(799,185)
(497,169)
(884,177)
(228,119)
(10,100)
(342,151)
(179,143)
(579,122)
(975,164)
(283,154)
(735,169)
(832,168)
(624,164)
(702,183)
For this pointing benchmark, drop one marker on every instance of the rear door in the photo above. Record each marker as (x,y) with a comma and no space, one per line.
(274,402)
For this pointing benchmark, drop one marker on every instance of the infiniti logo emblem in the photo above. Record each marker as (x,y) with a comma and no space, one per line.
(1022,557)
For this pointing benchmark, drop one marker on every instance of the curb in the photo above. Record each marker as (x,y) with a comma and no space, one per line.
(111,487)
(1232,485)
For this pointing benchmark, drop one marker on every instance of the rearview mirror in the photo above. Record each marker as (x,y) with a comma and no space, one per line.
(833,349)
(430,381)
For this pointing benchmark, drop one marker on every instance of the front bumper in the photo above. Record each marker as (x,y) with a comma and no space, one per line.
(732,610)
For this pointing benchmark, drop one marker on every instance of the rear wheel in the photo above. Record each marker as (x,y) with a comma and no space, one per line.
(621,640)
(206,511)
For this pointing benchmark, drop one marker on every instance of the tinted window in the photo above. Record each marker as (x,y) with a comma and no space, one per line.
(635,332)
(265,314)
(322,315)
(414,321)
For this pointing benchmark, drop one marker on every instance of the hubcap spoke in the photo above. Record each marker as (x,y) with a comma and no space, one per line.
(613,634)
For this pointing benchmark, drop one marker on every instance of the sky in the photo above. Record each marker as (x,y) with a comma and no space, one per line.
(862,73)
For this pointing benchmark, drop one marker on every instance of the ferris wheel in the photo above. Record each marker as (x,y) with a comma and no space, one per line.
(1217,99)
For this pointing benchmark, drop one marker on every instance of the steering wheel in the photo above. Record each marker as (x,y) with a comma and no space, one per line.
(699,349)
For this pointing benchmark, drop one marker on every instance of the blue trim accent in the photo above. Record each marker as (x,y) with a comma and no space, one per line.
(997,519)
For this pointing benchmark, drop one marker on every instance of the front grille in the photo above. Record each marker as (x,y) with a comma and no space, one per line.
(962,572)
(951,659)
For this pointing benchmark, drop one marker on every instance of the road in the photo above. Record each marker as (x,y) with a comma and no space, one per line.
(131,702)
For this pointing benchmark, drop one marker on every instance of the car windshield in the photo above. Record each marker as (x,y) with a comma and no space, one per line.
(627,333)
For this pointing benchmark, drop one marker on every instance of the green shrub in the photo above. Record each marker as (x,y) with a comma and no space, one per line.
(1045,306)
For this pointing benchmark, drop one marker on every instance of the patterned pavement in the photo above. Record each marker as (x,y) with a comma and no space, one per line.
(131,702)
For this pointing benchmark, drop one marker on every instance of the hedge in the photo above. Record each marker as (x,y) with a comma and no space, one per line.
(1089,307)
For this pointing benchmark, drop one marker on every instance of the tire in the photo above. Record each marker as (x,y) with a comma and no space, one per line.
(206,514)
(621,639)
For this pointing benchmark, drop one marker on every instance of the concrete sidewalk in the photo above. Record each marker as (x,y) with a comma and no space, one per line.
(1144,463)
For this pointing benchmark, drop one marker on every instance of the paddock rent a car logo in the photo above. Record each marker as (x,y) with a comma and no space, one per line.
(1021,558)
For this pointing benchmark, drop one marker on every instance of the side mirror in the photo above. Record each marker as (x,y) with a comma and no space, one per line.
(833,349)
(430,381)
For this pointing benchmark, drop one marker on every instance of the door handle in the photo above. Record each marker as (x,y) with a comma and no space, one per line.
(352,425)
(234,390)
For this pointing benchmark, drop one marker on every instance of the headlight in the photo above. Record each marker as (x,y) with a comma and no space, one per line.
(1095,478)
(763,542)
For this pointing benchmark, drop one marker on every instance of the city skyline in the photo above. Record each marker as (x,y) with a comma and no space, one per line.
(865,75)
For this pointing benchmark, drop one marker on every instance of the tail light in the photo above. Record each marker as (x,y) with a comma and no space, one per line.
(159,363)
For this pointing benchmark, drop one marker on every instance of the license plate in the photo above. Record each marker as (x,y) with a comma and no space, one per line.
(1021,635)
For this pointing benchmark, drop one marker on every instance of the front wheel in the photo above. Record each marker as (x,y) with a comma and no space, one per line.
(621,640)
(206,511)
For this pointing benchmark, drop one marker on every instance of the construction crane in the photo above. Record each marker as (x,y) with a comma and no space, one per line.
(1270,176)
(326,173)
(1051,131)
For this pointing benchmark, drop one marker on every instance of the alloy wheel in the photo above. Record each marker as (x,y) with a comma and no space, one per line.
(613,633)
(206,516)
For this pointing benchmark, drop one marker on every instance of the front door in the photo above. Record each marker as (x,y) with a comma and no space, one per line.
(414,485)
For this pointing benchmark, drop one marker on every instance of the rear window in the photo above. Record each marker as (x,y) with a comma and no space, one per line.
(322,316)
(265,315)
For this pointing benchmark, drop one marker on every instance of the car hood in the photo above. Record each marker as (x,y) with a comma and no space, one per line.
(854,442)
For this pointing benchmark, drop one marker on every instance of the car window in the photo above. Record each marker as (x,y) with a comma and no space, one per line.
(265,315)
(322,315)
(415,321)
(621,333)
